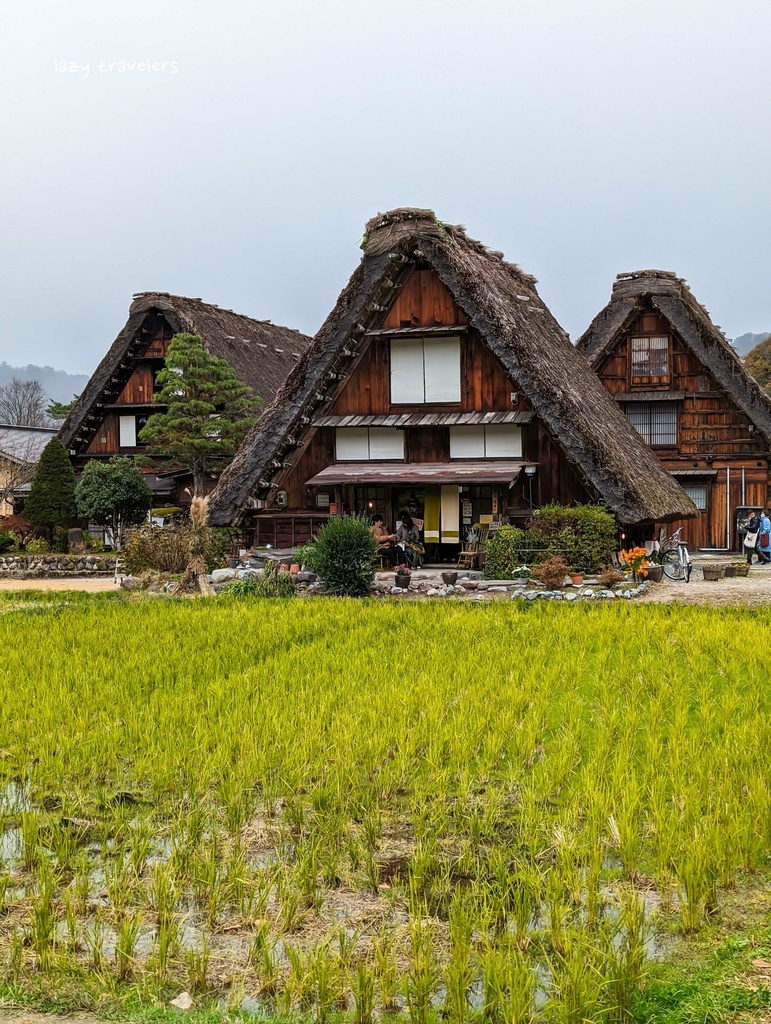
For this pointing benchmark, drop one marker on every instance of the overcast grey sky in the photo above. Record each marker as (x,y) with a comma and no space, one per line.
(582,139)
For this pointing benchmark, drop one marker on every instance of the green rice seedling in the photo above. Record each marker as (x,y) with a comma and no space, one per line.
(71,919)
(385,969)
(421,976)
(30,840)
(94,940)
(5,881)
(263,960)
(623,959)
(43,919)
(197,962)
(458,973)
(141,845)
(576,991)
(325,981)
(518,1001)
(125,946)
(362,985)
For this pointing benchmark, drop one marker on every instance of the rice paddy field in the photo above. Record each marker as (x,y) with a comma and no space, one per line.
(371,810)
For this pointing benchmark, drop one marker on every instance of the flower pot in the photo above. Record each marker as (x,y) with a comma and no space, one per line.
(449,578)
(402,581)
(740,570)
(576,578)
(294,567)
(730,570)
(656,573)
(713,572)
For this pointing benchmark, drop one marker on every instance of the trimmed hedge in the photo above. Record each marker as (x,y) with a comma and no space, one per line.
(584,535)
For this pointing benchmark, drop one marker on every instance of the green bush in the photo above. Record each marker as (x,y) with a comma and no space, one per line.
(272,583)
(506,550)
(344,555)
(7,541)
(585,535)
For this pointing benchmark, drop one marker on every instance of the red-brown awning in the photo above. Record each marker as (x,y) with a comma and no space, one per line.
(502,471)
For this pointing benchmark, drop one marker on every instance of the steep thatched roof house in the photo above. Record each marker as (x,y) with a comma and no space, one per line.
(117,400)
(441,383)
(672,371)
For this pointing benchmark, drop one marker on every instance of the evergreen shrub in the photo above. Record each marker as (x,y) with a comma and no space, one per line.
(584,535)
(7,541)
(506,551)
(344,556)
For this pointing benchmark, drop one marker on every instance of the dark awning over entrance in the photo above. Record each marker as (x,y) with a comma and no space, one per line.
(504,471)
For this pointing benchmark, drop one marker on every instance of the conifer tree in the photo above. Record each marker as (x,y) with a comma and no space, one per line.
(209,411)
(51,501)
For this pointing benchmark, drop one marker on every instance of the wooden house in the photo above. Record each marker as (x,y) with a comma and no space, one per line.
(20,451)
(118,399)
(440,383)
(677,379)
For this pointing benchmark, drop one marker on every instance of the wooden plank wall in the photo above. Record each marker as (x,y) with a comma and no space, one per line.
(139,388)
(485,386)
(423,301)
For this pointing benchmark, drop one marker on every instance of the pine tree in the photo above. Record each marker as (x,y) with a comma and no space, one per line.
(209,411)
(51,501)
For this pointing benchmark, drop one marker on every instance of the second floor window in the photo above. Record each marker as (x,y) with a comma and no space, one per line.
(650,357)
(655,422)
(425,370)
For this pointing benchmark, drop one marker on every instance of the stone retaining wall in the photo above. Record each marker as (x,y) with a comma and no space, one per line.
(23,567)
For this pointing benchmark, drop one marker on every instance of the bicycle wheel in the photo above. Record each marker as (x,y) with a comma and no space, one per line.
(673,567)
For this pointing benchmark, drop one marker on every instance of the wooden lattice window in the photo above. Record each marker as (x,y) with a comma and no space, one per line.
(655,422)
(650,356)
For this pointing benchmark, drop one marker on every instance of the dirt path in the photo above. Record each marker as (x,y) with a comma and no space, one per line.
(91,584)
(750,591)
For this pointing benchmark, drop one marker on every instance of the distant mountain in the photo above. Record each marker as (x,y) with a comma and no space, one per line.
(746,342)
(58,385)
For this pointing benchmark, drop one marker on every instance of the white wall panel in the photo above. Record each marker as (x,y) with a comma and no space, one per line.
(441,359)
(407,371)
(352,444)
(385,443)
(467,442)
(503,440)
(128,431)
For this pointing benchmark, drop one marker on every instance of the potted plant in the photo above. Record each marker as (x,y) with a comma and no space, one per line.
(576,577)
(740,569)
(634,560)
(449,578)
(402,577)
(713,572)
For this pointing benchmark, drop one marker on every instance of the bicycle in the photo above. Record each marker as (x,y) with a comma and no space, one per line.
(675,558)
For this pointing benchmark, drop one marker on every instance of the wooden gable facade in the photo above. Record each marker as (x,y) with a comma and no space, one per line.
(489,401)
(685,391)
(118,400)
(441,385)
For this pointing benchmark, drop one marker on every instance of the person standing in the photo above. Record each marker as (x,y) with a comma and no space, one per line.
(764,537)
(751,531)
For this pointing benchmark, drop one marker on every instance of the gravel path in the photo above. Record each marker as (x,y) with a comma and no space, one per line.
(750,591)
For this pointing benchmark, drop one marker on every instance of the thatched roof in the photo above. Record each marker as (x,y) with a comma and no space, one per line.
(260,353)
(664,292)
(502,303)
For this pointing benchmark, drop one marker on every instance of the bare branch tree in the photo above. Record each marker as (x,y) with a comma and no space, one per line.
(18,463)
(23,404)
